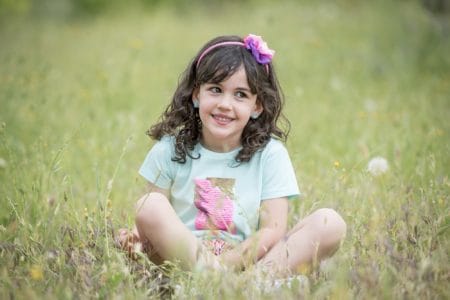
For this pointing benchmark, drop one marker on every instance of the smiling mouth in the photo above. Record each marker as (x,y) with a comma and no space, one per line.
(221,119)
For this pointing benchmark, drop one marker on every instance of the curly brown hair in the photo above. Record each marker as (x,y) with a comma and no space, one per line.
(181,119)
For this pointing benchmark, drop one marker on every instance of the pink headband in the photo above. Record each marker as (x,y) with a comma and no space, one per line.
(254,43)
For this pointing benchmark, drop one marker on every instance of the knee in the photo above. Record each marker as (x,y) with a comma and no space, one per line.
(149,209)
(332,225)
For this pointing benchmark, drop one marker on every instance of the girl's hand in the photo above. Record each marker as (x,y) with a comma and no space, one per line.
(208,260)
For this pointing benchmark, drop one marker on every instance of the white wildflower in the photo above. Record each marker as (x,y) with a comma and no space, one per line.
(336,83)
(178,290)
(52,254)
(3,163)
(299,91)
(370,105)
(377,166)
(110,184)
(137,247)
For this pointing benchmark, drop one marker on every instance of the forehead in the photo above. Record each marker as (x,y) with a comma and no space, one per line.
(230,75)
(237,79)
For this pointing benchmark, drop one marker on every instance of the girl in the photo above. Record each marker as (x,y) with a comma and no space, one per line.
(219,176)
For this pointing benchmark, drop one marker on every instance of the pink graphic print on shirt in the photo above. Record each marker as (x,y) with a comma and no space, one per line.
(215,207)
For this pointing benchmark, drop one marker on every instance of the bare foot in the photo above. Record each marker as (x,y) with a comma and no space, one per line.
(129,241)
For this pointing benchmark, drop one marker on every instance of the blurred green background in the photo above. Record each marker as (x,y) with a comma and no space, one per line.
(81,81)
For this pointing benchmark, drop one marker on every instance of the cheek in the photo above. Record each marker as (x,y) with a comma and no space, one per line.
(246,110)
(204,111)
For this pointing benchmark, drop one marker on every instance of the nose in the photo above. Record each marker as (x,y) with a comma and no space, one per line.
(225,102)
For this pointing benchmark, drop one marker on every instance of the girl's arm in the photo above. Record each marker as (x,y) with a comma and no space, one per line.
(272,227)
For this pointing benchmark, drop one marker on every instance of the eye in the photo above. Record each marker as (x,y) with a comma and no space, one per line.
(215,90)
(240,94)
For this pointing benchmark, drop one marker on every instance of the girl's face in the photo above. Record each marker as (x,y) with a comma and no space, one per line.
(225,109)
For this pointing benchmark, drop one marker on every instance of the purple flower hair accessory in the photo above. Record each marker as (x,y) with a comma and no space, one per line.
(260,51)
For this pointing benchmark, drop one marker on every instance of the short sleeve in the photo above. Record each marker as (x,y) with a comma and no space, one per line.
(279,178)
(158,166)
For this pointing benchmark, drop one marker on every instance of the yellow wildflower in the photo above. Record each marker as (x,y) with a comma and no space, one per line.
(36,273)
(136,44)
(304,269)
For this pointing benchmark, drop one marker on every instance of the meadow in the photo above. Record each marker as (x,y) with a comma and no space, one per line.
(361,79)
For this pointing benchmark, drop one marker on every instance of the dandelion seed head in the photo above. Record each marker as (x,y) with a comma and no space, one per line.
(377,166)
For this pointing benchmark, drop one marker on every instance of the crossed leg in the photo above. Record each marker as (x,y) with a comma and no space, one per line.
(165,237)
(314,238)
(161,232)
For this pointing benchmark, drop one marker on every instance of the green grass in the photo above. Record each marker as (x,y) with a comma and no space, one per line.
(361,79)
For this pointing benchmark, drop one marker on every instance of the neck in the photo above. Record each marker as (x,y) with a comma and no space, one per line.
(221,148)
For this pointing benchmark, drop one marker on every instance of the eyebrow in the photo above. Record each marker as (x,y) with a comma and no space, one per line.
(243,89)
(238,88)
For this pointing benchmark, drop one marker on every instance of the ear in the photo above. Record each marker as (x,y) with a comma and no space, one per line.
(195,93)
(258,109)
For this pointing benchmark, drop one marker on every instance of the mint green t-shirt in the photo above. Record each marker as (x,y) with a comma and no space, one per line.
(214,194)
